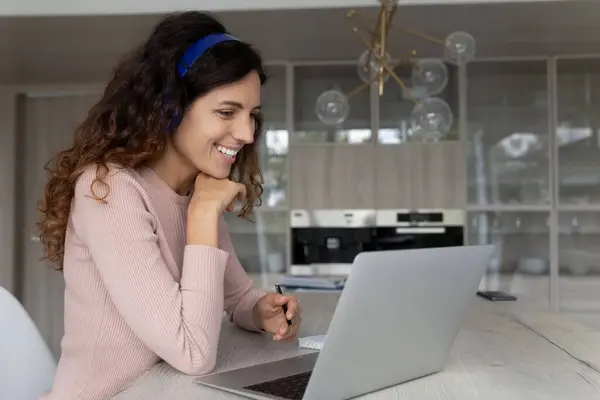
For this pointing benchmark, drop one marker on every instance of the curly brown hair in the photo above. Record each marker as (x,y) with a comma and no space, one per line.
(131,124)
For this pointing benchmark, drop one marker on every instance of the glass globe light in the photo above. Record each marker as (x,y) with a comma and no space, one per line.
(432,118)
(429,76)
(332,107)
(459,48)
(368,66)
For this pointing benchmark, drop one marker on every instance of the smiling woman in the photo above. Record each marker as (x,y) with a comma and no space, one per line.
(132,212)
(218,125)
(215,130)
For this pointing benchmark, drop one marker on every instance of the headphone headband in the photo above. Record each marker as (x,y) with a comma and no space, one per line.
(196,50)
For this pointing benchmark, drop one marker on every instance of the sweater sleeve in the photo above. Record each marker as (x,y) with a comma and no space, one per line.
(179,322)
(240,296)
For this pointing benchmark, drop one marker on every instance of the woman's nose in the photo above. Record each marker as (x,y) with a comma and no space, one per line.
(244,130)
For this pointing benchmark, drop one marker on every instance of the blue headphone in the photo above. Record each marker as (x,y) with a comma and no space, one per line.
(193,53)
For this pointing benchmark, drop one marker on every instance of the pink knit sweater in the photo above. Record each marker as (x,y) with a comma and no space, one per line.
(136,293)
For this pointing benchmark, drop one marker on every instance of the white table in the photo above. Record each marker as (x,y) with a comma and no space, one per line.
(505,351)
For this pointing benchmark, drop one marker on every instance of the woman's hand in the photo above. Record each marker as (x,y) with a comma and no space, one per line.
(210,199)
(215,195)
(268,316)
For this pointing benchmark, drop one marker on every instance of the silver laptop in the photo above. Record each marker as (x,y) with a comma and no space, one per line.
(396,320)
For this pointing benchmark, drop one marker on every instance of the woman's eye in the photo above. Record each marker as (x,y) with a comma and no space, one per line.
(226,113)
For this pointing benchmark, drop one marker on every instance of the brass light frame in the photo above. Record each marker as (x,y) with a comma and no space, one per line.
(458,48)
(376,41)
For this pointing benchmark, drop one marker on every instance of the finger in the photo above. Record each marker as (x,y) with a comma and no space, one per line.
(281,299)
(291,332)
(237,193)
(231,207)
(281,326)
(284,333)
(241,195)
(293,308)
(290,338)
(291,303)
(270,304)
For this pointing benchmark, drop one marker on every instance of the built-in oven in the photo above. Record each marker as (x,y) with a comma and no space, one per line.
(325,242)
(418,229)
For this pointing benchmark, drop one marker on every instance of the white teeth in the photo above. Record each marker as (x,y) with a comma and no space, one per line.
(226,151)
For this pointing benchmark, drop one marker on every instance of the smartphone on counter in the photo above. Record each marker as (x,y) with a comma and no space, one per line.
(496,295)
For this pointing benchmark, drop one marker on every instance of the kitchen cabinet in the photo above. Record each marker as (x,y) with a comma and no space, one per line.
(332,176)
(411,175)
(420,175)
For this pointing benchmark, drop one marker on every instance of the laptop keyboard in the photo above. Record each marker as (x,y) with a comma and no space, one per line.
(291,387)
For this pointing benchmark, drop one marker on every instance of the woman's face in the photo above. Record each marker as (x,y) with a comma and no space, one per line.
(217,126)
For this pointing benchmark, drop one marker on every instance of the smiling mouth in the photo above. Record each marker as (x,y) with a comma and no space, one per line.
(226,151)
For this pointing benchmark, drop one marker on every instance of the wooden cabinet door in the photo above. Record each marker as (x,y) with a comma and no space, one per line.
(332,177)
(420,175)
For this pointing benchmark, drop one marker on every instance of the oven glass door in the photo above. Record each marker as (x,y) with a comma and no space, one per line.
(329,245)
(396,238)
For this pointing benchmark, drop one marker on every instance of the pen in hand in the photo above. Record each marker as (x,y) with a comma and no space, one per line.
(278,289)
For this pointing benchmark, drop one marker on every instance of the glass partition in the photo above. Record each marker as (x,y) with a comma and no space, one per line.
(507,111)
(521,262)
(578,182)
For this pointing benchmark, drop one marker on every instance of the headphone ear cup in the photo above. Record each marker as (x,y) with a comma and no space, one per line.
(175,123)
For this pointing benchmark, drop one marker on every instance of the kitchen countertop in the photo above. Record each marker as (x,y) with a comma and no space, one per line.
(512,350)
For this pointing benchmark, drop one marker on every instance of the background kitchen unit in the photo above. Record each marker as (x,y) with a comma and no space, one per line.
(522,161)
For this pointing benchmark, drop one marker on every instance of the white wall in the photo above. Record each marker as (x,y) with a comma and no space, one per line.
(90,7)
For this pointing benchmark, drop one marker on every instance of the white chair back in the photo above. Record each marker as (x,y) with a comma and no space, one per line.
(27,366)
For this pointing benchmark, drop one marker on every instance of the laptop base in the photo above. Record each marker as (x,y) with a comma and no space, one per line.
(236,381)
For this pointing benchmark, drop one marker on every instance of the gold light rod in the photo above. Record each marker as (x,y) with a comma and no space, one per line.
(384,64)
(420,35)
(360,89)
(377,44)
(391,14)
(383,46)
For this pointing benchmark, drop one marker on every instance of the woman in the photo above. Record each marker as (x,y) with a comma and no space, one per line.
(132,212)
